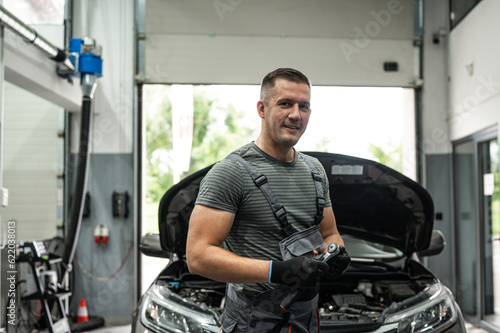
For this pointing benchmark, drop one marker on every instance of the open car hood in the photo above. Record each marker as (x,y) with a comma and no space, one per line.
(370,201)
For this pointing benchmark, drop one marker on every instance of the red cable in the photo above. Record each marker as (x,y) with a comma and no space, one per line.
(123,262)
(119,268)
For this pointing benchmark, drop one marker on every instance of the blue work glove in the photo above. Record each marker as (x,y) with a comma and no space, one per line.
(297,272)
(338,264)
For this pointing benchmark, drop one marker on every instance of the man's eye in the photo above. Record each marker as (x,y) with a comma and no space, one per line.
(286,104)
(304,107)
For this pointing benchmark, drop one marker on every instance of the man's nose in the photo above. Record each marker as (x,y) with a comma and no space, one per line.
(294,112)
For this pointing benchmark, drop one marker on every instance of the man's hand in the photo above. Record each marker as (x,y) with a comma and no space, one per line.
(338,264)
(297,272)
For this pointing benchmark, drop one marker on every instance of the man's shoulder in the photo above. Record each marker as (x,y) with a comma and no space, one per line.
(246,151)
(229,164)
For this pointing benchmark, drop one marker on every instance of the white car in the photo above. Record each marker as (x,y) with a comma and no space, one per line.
(386,221)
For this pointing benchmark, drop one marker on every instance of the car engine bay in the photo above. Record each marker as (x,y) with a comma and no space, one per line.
(356,298)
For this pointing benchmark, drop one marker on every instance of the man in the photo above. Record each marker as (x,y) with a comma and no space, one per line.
(259,235)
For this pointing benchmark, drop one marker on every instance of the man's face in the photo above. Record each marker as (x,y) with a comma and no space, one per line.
(286,115)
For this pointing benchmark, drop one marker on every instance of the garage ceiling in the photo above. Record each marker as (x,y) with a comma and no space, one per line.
(334,42)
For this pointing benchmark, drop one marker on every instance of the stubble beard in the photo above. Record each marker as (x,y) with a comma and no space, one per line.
(286,140)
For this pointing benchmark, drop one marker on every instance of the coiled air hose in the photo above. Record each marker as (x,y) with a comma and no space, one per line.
(78,201)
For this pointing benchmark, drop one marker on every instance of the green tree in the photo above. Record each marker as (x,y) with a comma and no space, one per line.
(158,146)
(392,156)
(217,130)
(322,144)
(224,132)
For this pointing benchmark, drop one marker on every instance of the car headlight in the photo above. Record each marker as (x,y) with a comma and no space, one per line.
(434,311)
(165,311)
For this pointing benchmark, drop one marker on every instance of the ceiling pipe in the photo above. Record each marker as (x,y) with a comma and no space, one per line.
(31,36)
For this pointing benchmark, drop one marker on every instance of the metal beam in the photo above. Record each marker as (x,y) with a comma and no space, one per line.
(30,69)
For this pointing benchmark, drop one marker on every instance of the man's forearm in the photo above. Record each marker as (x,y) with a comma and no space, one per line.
(334,238)
(221,265)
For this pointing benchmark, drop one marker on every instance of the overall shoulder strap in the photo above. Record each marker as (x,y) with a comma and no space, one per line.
(261,182)
(320,196)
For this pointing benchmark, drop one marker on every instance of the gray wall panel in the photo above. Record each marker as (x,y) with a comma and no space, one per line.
(334,42)
(245,60)
(298,18)
(106,287)
(439,184)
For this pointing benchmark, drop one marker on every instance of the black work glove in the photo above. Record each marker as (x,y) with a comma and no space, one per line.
(338,264)
(297,272)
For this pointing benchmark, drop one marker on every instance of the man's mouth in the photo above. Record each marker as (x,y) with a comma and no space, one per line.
(292,127)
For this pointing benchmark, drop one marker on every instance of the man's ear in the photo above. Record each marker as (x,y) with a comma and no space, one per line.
(261,108)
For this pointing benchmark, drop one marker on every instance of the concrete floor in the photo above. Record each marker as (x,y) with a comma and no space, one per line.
(471,329)
(115,329)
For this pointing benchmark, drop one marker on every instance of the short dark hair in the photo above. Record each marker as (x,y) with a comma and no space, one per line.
(289,74)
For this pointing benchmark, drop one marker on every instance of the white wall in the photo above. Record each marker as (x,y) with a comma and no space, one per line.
(474,68)
(31,163)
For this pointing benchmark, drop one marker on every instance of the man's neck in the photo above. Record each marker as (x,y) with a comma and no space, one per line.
(284,154)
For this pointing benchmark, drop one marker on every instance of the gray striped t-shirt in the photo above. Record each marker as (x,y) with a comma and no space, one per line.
(255,232)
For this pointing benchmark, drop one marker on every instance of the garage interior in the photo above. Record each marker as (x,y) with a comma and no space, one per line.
(441,53)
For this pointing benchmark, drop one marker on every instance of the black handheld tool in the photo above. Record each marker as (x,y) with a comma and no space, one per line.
(332,250)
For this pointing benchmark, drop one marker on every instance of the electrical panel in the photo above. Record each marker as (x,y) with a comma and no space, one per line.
(120,204)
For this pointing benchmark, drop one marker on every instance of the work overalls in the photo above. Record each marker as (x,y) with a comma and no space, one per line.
(262,313)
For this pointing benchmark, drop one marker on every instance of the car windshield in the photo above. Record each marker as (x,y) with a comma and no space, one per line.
(362,249)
